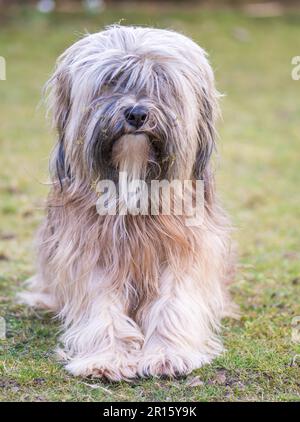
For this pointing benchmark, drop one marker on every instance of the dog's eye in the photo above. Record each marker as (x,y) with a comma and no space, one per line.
(108,86)
(105,88)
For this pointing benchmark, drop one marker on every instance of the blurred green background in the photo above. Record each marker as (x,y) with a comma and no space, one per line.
(258,178)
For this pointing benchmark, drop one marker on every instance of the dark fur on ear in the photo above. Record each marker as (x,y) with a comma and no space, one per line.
(206,135)
(59,168)
(58,89)
(62,172)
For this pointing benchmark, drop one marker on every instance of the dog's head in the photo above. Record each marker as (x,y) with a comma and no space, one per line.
(133,98)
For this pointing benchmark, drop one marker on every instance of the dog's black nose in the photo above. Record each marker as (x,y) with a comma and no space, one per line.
(136,116)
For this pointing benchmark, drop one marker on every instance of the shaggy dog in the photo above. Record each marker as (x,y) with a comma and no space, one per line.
(138,295)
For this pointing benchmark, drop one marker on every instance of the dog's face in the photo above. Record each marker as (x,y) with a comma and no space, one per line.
(135,99)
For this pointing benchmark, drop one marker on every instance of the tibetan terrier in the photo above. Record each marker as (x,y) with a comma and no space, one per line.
(138,294)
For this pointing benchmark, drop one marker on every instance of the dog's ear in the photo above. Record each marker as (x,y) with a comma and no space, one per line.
(58,91)
(206,132)
(58,96)
(59,166)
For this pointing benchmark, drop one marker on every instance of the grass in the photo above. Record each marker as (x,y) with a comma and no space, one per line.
(258,178)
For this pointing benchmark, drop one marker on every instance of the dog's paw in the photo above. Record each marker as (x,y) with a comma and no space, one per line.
(37,300)
(35,295)
(113,367)
(169,363)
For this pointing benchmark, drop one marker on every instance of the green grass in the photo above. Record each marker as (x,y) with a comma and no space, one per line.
(258,178)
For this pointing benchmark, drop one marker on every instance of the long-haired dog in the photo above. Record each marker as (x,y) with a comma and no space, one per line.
(138,295)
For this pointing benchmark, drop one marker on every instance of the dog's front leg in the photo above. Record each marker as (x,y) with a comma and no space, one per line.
(181,326)
(103,341)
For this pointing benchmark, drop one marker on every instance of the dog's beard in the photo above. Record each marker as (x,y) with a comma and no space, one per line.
(130,155)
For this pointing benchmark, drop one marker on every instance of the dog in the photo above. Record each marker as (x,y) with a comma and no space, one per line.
(138,295)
